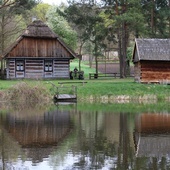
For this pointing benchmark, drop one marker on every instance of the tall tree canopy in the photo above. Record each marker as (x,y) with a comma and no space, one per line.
(100,22)
(12,22)
(86,20)
(61,27)
(157,15)
(126,19)
(40,11)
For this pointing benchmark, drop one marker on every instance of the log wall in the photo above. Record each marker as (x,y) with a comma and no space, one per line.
(152,71)
(35,69)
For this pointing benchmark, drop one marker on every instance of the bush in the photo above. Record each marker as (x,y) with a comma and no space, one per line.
(28,93)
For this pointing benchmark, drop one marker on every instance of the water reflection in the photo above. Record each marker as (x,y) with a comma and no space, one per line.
(32,134)
(152,140)
(63,137)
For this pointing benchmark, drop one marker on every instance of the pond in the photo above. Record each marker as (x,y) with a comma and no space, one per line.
(86,136)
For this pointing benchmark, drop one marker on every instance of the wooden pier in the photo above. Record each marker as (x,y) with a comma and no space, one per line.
(65,97)
(65,93)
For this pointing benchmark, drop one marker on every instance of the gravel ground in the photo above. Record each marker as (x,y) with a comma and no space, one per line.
(110,68)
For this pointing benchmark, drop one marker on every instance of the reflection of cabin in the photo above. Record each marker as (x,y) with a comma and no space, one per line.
(38,53)
(42,131)
(152,135)
(151,58)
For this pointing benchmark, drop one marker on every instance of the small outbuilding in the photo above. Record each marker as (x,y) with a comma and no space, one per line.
(151,58)
(38,53)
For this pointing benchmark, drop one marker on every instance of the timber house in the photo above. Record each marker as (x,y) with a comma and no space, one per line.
(151,58)
(38,53)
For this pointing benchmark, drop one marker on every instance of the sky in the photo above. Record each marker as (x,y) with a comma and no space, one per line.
(54,2)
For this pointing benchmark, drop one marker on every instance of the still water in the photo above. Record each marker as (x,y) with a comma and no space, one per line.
(73,137)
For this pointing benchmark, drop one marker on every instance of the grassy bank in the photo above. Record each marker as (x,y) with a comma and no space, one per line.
(94,90)
(107,90)
(119,90)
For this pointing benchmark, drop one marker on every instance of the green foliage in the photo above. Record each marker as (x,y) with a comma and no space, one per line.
(22,6)
(130,53)
(61,27)
(40,11)
(157,17)
(84,67)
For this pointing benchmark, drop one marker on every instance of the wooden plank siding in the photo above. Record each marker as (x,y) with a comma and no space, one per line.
(154,71)
(30,47)
(61,69)
(151,58)
(35,69)
(10,68)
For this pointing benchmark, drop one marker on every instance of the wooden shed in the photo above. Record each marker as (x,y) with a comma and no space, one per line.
(38,53)
(151,58)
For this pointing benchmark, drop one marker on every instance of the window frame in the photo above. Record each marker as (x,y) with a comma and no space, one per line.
(48,65)
(20,65)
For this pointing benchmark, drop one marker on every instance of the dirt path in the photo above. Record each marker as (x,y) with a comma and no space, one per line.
(110,68)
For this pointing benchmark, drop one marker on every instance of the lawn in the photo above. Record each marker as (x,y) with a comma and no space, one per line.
(99,87)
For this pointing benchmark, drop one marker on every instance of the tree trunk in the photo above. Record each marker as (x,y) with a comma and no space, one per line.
(122,50)
(96,60)
(80,53)
(152,17)
(2,41)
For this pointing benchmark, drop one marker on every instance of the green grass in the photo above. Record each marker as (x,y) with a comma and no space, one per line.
(109,87)
(114,87)
(117,87)
(99,87)
(84,67)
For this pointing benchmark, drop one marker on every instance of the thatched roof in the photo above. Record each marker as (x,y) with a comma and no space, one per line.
(152,49)
(38,29)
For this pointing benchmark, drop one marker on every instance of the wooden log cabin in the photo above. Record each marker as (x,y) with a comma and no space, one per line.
(151,58)
(38,53)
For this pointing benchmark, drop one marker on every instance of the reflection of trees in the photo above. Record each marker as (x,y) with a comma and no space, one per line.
(99,140)
(125,153)
(32,133)
(9,149)
(92,142)
(97,146)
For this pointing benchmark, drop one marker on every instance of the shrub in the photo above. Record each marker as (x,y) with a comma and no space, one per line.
(28,93)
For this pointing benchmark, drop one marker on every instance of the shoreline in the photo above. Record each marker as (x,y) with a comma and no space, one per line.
(152,99)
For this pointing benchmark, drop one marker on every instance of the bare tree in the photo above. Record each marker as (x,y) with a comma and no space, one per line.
(6,3)
(11,23)
(9,28)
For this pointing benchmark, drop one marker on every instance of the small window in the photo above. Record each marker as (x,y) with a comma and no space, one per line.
(48,65)
(20,65)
